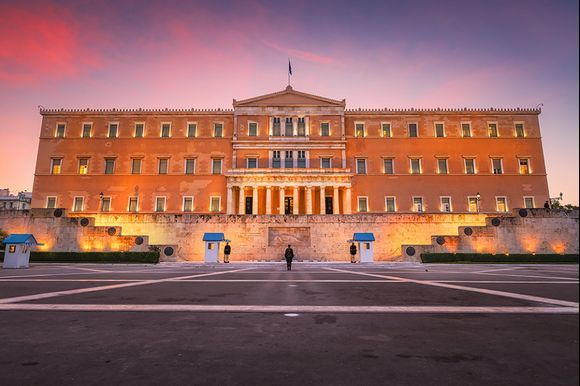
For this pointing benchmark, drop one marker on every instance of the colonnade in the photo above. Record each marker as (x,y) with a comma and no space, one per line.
(309,191)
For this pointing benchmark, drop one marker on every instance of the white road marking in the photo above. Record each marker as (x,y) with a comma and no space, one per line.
(85,269)
(497,270)
(471,289)
(288,309)
(530,276)
(108,287)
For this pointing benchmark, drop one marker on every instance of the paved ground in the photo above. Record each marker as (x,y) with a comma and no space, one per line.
(257,324)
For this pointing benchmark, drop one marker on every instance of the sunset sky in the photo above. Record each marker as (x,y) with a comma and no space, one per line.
(185,54)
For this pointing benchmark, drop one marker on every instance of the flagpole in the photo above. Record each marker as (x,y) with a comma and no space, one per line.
(289,69)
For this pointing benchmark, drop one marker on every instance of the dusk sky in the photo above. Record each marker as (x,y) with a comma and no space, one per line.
(183,54)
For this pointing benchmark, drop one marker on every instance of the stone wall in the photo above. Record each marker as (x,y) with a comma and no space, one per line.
(314,238)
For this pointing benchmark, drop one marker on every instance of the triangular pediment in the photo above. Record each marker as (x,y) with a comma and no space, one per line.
(288,97)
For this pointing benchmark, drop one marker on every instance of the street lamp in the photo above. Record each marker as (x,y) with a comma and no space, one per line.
(556,199)
(478,198)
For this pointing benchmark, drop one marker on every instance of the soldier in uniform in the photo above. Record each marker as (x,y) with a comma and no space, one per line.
(352,253)
(289,255)
(227,251)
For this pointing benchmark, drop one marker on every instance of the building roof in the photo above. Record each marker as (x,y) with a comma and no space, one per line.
(25,238)
(213,237)
(289,97)
(363,237)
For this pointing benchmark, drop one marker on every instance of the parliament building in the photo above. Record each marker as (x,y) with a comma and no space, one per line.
(290,153)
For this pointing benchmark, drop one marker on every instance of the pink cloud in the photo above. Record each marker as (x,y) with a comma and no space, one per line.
(301,54)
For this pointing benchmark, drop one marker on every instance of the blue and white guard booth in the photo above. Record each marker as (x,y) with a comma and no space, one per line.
(17,252)
(365,248)
(212,246)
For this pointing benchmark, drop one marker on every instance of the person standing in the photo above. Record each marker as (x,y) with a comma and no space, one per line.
(547,204)
(289,255)
(227,251)
(353,253)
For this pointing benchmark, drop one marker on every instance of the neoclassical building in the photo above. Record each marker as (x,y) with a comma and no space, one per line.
(290,152)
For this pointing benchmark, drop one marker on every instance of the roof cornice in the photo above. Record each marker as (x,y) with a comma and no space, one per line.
(139,111)
(438,110)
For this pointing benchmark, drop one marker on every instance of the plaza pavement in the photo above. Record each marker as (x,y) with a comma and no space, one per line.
(257,324)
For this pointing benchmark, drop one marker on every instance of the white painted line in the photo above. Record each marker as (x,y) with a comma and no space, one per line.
(473,289)
(108,287)
(498,270)
(530,276)
(287,309)
(85,269)
(68,280)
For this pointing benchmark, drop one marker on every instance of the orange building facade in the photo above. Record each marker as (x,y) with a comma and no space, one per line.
(290,152)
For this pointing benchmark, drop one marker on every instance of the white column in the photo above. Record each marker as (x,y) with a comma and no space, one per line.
(230,198)
(255,200)
(268,200)
(347,201)
(242,201)
(323,200)
(335,201)
(296,203)
(281,200)
(308,194)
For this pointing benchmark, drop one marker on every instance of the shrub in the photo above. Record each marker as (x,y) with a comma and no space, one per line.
(497,258)
(94,257)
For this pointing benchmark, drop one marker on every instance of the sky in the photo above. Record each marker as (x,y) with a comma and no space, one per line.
(183,54)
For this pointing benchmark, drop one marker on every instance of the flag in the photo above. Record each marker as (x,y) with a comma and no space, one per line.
(289,67)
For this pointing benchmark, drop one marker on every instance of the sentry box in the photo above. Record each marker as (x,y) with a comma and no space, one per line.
(365,243)
(17,253)
(212,246)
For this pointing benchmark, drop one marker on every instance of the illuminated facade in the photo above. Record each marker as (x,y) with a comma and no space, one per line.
(290,153)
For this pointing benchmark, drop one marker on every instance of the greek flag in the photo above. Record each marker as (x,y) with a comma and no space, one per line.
(289,67)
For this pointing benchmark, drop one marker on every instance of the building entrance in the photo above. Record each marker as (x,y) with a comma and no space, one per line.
(328,201)
(288,205)
(249,205)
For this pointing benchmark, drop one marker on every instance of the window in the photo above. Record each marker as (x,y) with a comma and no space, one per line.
(386,130)
(472,204)
(165,130)
(363,204)
(325,163)
(50,202)
(216,166)
(160,204)
(301,159)
(218,130)
(163,165)
(87,127)
(413,130)
(139,130)
(496,166)
(190,166)
(276,159)
(301,127)
(390,204)
(83,165)
(288,160)
(188,204)
(418,204)
(466,129)
(325,129)
(469,165)
(442,166)
(55,165)
(109,165)
(113,130)
(524,166)
(60,128)
(359,130)
(501,204)
(288,128)
(520,130)
(276,127)
(136,166)
(252,163)
(529,202)
(492,130)
(389,165)
(214,204)
(133,204)
(78,203)
(439,130)
(106,204)
(252,129)
(191,130)
(361,166)
(446,204)
(415,166)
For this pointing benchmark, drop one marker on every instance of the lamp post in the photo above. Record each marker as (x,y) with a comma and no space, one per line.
(478,198)
(556,199)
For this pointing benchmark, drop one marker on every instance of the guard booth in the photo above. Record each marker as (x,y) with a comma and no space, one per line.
(17,253)
(212,246)
(365,243)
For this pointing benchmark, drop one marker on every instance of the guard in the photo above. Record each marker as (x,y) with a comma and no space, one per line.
(352,253)
(227,251)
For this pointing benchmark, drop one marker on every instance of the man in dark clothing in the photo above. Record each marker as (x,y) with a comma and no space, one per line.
(352,253)
(547,205)
(289,255)
(227,251)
